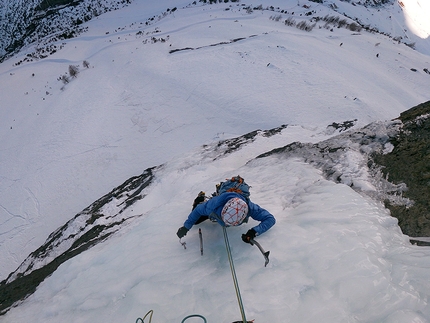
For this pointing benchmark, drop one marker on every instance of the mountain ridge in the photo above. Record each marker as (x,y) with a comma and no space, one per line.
(43,23)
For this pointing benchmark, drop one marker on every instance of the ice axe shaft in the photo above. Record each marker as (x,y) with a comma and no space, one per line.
(201,241)
(265,253)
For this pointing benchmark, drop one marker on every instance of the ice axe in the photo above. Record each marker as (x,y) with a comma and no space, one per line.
(265,253)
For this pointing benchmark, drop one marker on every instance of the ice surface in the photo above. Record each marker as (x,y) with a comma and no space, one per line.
(335,256)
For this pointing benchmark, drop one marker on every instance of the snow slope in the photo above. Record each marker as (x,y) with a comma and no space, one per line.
(406,21)
(137,105)
(336,255)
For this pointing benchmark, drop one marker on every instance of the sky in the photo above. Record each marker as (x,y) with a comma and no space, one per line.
(416,15)
(336,255)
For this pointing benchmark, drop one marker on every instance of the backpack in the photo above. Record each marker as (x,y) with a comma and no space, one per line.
(235,184)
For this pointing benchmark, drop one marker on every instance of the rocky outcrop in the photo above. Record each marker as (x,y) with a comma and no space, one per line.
(409,163)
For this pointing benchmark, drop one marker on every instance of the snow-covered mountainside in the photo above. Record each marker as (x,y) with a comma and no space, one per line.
(46,22)
(145,85)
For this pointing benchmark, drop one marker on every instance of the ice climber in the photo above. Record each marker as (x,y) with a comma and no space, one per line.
(228,209)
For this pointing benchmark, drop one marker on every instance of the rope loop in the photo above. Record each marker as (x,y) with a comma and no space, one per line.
(139,320)
(194,315)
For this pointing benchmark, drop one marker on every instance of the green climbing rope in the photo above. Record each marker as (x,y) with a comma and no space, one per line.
(194,315)
(139,320)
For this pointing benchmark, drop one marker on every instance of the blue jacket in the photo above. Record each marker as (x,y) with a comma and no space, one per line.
(213,208)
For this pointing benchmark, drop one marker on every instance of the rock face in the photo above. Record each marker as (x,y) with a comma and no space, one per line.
(45,21)
(409,163)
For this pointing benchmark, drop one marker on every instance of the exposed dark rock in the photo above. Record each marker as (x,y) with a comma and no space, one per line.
(230,145)
(409,163)
(343,126)
(211,45)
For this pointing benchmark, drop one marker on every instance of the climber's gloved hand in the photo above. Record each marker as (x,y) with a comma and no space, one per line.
(182,232)
(249,235)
